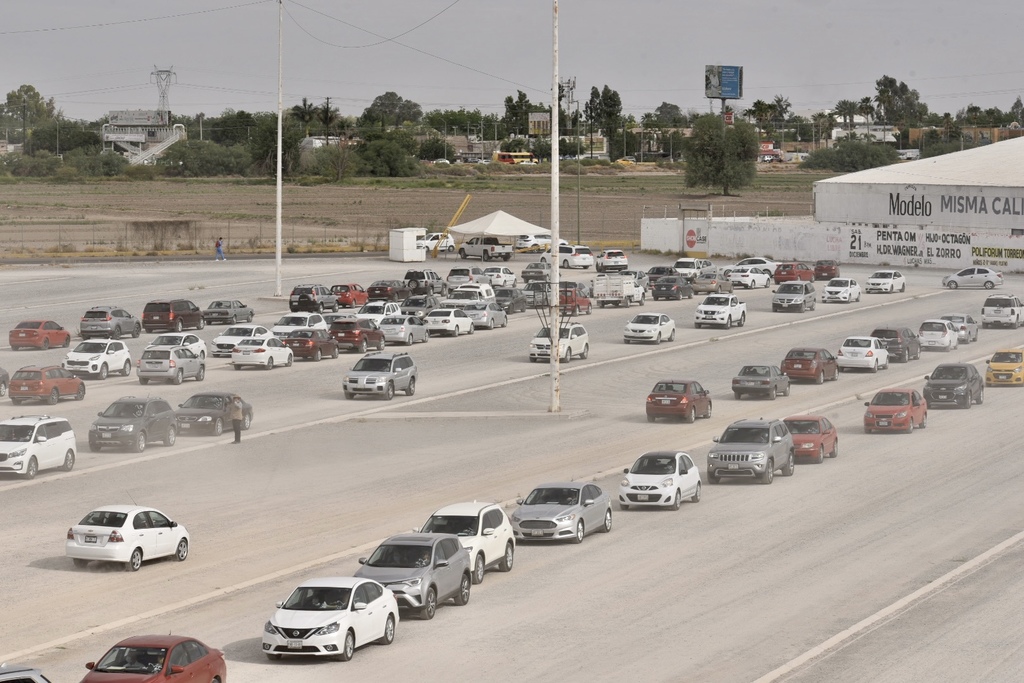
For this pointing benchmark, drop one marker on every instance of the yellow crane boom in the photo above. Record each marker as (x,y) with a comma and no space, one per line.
(452,223)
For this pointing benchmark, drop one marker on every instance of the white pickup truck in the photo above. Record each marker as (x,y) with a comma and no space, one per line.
(618,290)
(720,309)
(485,249)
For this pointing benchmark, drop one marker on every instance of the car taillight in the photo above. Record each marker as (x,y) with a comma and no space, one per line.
(259,350)
(138,363)
(236,350)
(71,534)
(840,352)
(869,354)
(172,363)
(115,537)
(963,328)
(170,316)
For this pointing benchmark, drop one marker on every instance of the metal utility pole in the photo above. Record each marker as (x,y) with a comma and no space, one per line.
(280,116)
(163,84)
(554,329)
(569,85)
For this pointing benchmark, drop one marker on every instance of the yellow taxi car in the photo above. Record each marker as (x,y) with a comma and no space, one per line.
(1005,367)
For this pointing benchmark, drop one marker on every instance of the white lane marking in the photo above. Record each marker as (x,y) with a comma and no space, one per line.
(42,279)
(904,603)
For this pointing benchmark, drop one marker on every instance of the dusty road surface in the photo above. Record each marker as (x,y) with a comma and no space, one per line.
(845,571)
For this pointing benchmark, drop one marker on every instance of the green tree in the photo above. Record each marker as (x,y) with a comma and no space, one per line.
(670,116)
(96,164)
(304,114)
(327,116)
(335,162)
(721,156)
(62,136)
(205,159)
(846,110)
(848,156)
(761,113)
(517,113)
(390,109)
(232,127)
(263,145)
(386,158)
(1016,108)
(436,148)
(866,110)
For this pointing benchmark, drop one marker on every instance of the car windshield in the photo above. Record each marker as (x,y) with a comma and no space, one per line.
(707,276)
(341,325)
(251,342)
(125,409)
(132,660)
(840,284)
(755,371)
(1007,357)
(155,354)
(316,599)
(440,313)
(415,275)
(113,520)
(383,283)
(716,301)
(536,266)
(563,333)
(239,332)
(27,374)
(802,354)
(791,288)
(824,263)
(804,426)
(458,272)
(995,302)
(553,496)
(372,309)
(372,365)
(11,433)
(168,340)
(302,334)
(504,293)
(302,290)
(933,327)
(404,556)
(745,435)
(891,398)
(157,308)
(464,294)
(392,321)
(856,343)
(292,321)
(29,325)
(670,281)
(955,318)
(646,319)
(416,301)
(881,275)
(340,289)
(102,315)
(481,306)
(654,464)
(204,402)
(671,387)
(91,347)
(460,525)
(949,372)
(220,304)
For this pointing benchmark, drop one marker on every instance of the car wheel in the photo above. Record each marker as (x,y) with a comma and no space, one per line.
(177,325)
(508,559)
(95,447)
(565,264)
(348,648)
(690,416)
(728,323)
(145,380)
(136,331)
(411,389)
(218,426)
(140,442)
(981,397)
(53,397)
(69,461)
(181,552)
(134,562)
(924,422)
(903,288)
(953,285)
(3,388)
(104,371)
(179,377)
(677,500)
(695,498)
(789,387)
(126,369)
(389,393)
(116,334)
(317,355)
(389,631)
(269,365)
(429,604)
(32,469)
(774,394)
(874,368)
(291,357)
(651,418)
(478,569)
(585,352)
(707,413)
(201,373)
(790,466)
(769,473)
(67,342)
(821,455)
(580,532)
(657,340)
(607,526)
(835,450)
(362,345)
(171,437)
(820,379)
(349,395)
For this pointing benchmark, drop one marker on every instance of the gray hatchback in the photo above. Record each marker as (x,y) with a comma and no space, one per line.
(171,364)
(422,570)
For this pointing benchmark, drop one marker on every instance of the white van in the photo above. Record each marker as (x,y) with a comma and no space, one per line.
(37,442)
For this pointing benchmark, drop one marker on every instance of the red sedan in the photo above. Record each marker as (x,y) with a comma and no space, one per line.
(39,334)
(350,296)
(896,410)
(150,659)
(310,343)
(49,384)
(683,398)
(814,437)
(812,364)
(826,269)
(789,272)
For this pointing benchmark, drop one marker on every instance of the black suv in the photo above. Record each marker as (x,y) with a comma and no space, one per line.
(172,314)
(959,384)
(312,298)
(426,282)
(131,422)
(901,343)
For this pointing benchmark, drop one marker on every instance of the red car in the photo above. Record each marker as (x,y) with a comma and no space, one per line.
(896,410)
(683,398)
(150,659)
(814,437)
(389,290)
(40,334)
(350,296)
(788,272)
(812,364)
(573,302)
(50,384)
(310,343)
(826,269)
(357,334)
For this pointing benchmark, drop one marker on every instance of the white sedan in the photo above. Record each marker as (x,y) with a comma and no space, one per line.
(886,281)
(224,343)
(127,534)
(261,352)
(331,617)
(760,262)
(449,321)
(939,334)
(660,479)
(650,327)
(841,290)
(501,276)
(750,276)
(298,321)
(863,352)
(189,341)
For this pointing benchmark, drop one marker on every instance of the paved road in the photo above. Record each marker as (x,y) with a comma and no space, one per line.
(740,586)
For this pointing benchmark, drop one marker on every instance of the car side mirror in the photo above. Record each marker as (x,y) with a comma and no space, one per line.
(988,362)
(683,470)
(174,525)
(625,470)
(927,376)
(358,606)
(519,501)
(489,531)
(867,403)
(177,669)
(440,563)
(279,604)
(90,665)
(588,502)
(362,560)
(715,439)
(41,438)
(776,439)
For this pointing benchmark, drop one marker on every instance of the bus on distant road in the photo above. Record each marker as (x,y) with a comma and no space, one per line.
(515,158)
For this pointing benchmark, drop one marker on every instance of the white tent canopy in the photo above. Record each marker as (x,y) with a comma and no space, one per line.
(499,224)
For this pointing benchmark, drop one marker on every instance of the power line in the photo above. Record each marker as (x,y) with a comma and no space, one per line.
(131,21)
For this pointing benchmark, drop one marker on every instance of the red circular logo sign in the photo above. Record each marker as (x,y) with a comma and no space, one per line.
(691,239)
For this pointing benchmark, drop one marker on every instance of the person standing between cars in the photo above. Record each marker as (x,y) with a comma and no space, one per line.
(237,414)
(220,250)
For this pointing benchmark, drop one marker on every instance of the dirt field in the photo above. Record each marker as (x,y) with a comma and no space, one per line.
(187,216)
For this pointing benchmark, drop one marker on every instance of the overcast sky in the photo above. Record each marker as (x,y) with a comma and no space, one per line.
(97,55)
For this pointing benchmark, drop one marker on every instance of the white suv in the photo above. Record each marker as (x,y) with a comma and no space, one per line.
(573,340)
(483,529)
(36,442)
(12,673)
(572,256)
(98,358)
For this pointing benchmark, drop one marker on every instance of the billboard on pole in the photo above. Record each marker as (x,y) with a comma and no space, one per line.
(540,123)
(723,82)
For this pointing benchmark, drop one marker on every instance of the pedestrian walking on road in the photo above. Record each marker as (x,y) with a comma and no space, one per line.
(220,250)
(237,415)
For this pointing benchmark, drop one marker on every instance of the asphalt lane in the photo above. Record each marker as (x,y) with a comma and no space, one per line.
(732,587)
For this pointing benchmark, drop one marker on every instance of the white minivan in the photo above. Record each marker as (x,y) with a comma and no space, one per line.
(37,442)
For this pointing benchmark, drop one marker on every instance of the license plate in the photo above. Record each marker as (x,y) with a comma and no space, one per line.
(943,397)
(666,401)
(294,644)
(1002,376)
(90,539)
(536,532)
(798,366)
(642,497)
(24,388)
(184,425)
(22,334)
(883,423)
(106,435)
(733,466)
(246,353)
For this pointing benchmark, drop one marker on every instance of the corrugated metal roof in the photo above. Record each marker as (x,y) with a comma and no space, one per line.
(1000,164)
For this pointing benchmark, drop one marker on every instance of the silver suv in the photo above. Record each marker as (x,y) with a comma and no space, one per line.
(381,374)
(109,322)
(171,364)
(752,448)
(422,570)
